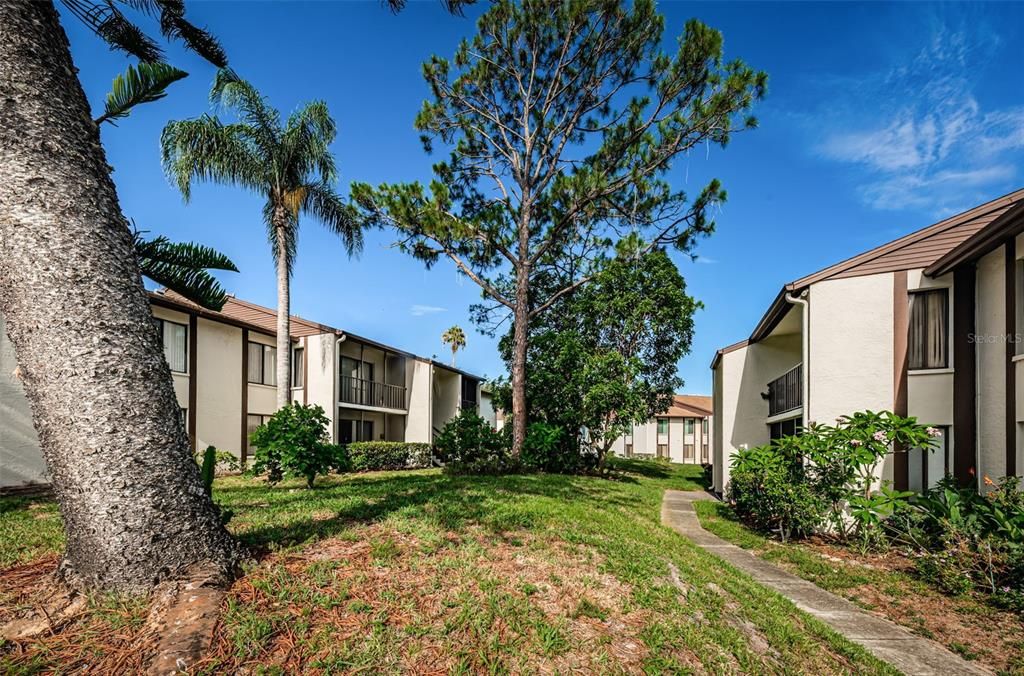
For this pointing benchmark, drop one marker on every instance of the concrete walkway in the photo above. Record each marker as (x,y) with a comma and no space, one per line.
(907,652)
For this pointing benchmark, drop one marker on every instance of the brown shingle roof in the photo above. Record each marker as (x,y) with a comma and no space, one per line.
(237,311)
(689,406)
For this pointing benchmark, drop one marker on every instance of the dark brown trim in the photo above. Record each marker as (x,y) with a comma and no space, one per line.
(193,376)
(965,418)
(245,395)
(900,330)
(305,370)
(1011,351)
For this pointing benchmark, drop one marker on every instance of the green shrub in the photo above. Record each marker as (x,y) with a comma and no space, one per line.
(371,456)
(963,540)
(770,491)
(550,448)
(468,445)
(294,442)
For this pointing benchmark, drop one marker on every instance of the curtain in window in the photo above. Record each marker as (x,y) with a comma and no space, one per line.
(255,363)
(928,343)
(175,345)
(269,365)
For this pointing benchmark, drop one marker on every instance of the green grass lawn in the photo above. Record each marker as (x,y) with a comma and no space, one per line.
(885,584)
(420,572)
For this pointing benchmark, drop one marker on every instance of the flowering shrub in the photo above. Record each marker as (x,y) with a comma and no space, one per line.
(828,469)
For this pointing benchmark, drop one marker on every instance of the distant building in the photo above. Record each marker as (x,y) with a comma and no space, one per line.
(224,369)
(681,434)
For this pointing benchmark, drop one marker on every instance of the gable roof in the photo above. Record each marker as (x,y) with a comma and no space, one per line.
(242,313)
(1006,227)
(689,406)
(920,249)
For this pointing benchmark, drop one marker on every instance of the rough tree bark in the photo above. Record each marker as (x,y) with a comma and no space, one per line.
(102,401)
(284,355)
(520,337)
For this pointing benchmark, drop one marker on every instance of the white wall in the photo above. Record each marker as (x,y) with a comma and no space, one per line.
(218,390)
(487,408)
(852,367)
(321,376)
(20,459)
(991,358)
(419,374)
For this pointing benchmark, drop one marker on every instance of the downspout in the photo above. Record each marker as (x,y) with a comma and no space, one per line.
(805,349)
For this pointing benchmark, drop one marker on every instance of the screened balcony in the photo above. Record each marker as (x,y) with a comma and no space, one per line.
(785,393)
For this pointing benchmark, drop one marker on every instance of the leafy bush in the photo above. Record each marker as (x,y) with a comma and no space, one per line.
(468,445)
(769,490)
(368,456)
(825,476)
(224,461)
(963,540)
(294,442)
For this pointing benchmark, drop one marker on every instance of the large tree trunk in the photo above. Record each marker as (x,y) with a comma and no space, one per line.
(284,342)
(102,401)
(521,331)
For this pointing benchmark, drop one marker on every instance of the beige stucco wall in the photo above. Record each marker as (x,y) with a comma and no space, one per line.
(740,411)
(320,377)
(218,390)
(930,393)
(419,373)
(21,462)
(180,379)
(991,356)
(446,396)
(487,408)
(851,353)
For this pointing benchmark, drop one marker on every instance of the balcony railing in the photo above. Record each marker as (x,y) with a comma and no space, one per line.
(786,392)
(371,393)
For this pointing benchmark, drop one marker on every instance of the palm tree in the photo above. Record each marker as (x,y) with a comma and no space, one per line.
(456,338)
(100,391)
(290,164)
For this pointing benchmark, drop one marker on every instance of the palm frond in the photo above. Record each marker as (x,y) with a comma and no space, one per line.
(107,22)
(232,92)
(325,205)
(184,267)
(175,26)
(204,148)
(144,84)
(306,142)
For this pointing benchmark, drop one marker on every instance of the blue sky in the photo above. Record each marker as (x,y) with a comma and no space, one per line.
(880,119)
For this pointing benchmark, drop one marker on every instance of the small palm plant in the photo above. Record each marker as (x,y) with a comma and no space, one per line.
(289,163)
(454,338)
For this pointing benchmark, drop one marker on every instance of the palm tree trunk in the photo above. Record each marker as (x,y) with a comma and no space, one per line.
(109,425)
(284,343)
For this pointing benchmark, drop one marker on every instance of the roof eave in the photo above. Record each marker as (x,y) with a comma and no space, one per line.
(1008,225)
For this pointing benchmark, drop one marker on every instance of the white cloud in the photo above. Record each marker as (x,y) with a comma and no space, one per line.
(421,310)
(705,260)
(920,133)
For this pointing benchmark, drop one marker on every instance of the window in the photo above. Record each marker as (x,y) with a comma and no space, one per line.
(629,450)
(252,423)
(662,425)
(174,340)
(354,430)
(184,417)
(704,426)
(926,469)
(928,343)
(262,364)
(687,452)
(662,450)
(784,428)
(298,367)
(689,425)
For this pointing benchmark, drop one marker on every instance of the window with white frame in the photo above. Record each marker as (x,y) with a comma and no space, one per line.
(262,364)
(174,340)
(928,342)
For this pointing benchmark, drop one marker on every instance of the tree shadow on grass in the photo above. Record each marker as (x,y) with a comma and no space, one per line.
(445,502)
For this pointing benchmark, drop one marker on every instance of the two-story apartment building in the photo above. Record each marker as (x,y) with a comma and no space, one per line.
(681,434)
(929,325)
(224,369)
